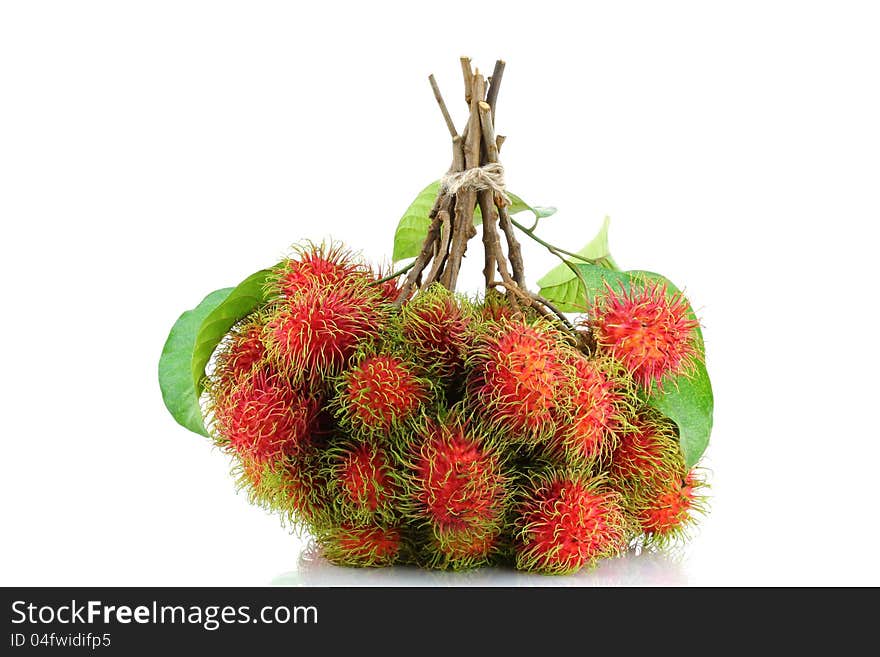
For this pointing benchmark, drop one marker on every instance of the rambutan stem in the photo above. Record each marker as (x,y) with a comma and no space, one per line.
(393,275)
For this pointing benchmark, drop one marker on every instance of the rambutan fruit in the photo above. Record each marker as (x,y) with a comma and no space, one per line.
(497,307)
(380,393)
(667,515)
(314,333)
(593,414)
(646,459)
(360,545)
(435,326)
(262,418)
(294,486)
(318,265)
(567,521)
(240,352)
(518,374)
(647,328)
(455,549)
(456,481)
(361,473)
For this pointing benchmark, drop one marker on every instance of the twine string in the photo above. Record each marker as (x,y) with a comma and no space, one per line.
(488,176)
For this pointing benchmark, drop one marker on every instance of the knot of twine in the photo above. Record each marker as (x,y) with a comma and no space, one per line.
(488,176)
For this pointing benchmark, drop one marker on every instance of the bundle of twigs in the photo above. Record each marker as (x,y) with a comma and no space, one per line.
(474,180)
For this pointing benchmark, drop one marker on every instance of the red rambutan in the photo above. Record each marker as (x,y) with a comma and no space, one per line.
(457,483)
(519,373)
(240,353)
(363,474)
(294,485)
(316,265)
(436,328)
(458,549)
(648,329)
(592,415)
(379,393)
(351,545)
(667,515)
(567,522)
(647,457)
(263,418)
(317,330)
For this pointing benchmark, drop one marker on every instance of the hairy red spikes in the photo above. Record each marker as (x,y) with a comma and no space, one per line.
(264,418)
(567,522)
(380,393)
(648,329)
(519,376)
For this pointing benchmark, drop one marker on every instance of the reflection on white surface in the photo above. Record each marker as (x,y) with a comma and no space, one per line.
(646,568)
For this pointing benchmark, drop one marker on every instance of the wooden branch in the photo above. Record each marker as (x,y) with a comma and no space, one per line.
(514,250)
(442,249)
(492,96)
(490,216)
(466,199)
(457,154)
(439,97)
(468,75)
(499,140)
(487,124)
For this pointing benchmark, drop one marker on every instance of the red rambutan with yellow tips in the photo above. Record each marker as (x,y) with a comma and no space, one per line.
(435,325)
(457,549)
(649,329)
(262,418)
(518,375)
(295,486)
(667,515)
(567,521)
(497,307)
(593,414)
(360,545)
(456,481)
(379,394)
(647,457)
(363,480)
(315,265)
(313,334)
(241,352)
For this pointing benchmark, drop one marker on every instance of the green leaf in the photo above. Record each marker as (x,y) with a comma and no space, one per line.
(413,225)
(595,249)
(241,301)
(688,401)
(175,364)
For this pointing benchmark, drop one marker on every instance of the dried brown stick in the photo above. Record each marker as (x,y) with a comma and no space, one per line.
(439,97)
(466,201)
(514,250)
(490,216)
(492,96)
(442,249)
(468,75)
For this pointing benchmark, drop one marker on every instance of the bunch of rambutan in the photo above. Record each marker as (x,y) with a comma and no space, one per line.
(451,432)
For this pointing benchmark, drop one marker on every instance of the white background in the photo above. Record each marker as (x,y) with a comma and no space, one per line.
(151,152)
